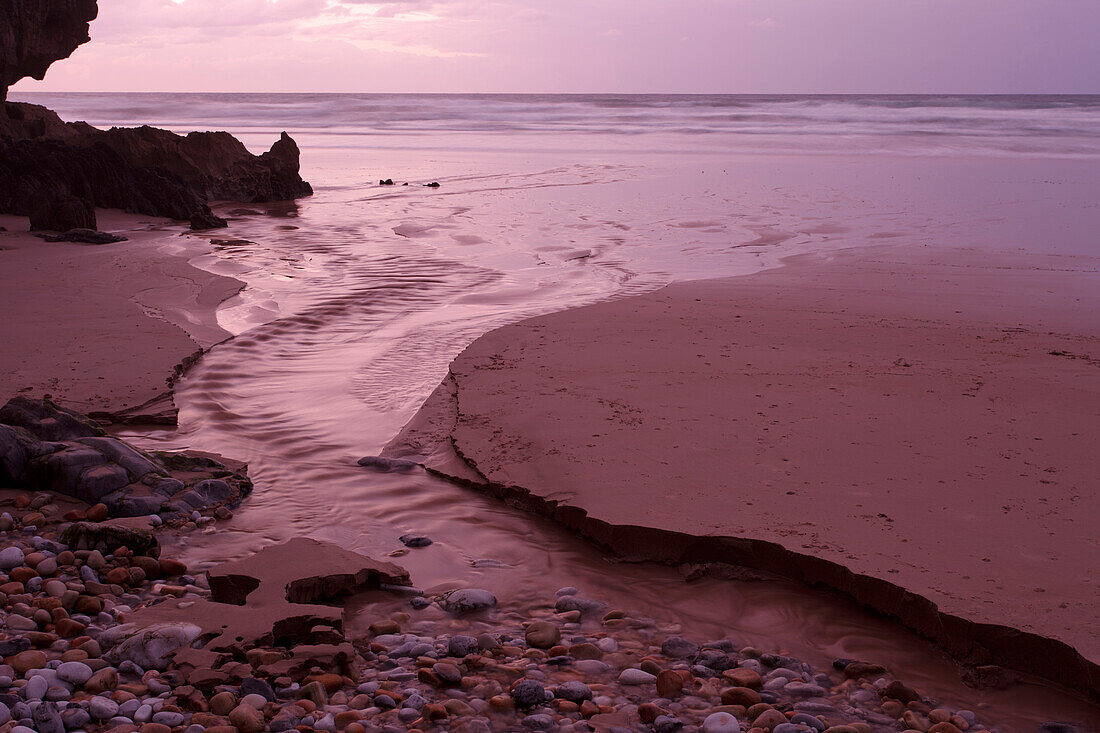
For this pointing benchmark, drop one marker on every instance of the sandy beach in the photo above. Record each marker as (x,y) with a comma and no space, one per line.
(837,477)
(105,328)
(914,428)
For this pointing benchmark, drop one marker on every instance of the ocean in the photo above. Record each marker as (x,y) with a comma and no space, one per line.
(1062,125)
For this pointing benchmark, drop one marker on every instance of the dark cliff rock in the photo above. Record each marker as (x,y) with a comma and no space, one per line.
(215,164)
(35,33)
(56,173)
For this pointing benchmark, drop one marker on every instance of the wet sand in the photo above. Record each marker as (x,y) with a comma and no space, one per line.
(103,328)
(914,427)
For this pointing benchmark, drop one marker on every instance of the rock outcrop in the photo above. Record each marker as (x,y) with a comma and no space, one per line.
(35,33)
(44,446)
(57,173)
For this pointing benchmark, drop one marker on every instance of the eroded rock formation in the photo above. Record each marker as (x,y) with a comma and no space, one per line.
(57,173)
(35,33)
(46,447)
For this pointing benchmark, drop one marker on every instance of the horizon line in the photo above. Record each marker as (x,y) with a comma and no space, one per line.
(580,94)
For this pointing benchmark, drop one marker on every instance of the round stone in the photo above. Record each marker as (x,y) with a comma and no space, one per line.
(11,557)
(634,676)
(721,723)
(448,672)
(669,684)
(102,708)
(253,700)
(36,687)
(171,719)
(574,691)
(75,672)
(679,647)
(542,634)
(528,693)
(468,600)
(461,646)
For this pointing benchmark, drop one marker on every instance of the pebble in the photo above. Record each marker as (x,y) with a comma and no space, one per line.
(102,708)
(669,684)
(462,646)
(11,557)
(721,723)
(468,600)
(542,634)
(528,693)
(75,672)
(634,676)
(574,691)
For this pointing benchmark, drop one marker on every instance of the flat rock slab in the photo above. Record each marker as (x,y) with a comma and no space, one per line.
(272,597)
(301,570)
(916,428)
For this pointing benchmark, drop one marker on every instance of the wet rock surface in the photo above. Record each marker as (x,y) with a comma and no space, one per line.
(44,446)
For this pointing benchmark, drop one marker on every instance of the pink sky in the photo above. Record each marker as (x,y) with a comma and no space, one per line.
(721,46)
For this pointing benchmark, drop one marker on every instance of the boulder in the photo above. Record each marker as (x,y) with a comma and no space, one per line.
(13,455)
(151,647)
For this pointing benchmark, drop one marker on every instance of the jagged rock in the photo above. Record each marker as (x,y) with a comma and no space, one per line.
(35,33)
(32,171)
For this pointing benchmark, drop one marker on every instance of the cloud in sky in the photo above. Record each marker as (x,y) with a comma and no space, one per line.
(588,46)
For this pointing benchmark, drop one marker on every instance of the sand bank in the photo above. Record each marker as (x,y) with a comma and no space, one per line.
(104,328)
(913,427)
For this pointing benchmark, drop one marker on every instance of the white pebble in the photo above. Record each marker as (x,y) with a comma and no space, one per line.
(721,723)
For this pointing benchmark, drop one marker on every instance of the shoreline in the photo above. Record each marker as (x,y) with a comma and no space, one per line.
(129,318)
(504,391)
